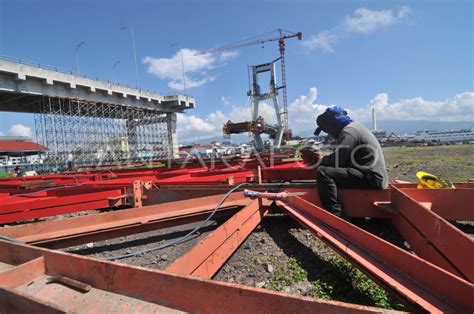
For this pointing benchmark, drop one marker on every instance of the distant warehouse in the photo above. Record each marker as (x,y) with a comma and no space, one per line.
(14,150)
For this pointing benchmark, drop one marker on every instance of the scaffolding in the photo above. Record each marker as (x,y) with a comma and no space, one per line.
(87,133)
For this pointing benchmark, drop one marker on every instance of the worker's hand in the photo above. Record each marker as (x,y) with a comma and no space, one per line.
(310,156)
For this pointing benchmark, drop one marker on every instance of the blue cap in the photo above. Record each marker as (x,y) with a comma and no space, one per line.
(332,120)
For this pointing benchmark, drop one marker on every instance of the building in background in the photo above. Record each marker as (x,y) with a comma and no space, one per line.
(20,150)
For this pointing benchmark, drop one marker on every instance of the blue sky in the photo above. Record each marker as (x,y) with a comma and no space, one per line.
(402,57)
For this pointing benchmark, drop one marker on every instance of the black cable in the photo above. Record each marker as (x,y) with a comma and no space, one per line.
(183,238)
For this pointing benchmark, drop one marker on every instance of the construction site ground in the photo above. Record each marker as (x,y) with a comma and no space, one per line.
(280,255)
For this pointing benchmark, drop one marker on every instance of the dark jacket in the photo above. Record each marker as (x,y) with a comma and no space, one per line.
(358,148)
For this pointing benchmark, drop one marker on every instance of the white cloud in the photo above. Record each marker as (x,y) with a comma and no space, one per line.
(324,40)
(304,110)
(362,21)
(190,83)
(20,130)
(365,21)
(191,127)
(171,69)
(2,134)
(227,55)
(458,108)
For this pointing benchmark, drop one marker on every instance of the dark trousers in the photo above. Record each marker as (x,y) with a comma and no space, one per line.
(330,178)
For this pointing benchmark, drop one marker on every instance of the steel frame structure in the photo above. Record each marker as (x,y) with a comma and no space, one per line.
(258,125)
(94,133)
(437,277)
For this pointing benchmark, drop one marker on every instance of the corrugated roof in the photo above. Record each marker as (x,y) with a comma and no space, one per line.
(20,146)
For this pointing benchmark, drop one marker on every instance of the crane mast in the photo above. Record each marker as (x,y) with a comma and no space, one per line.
(281,44)
(282,35)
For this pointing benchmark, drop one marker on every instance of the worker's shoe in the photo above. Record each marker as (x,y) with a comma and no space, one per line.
(337,210)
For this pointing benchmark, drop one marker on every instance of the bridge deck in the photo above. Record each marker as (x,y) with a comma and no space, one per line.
(23,84)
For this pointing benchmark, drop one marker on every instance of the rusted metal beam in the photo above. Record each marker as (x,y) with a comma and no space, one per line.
(443,244)
(84,229)
(208,256)
(421,246)
(23,273)
(121,288)
(407,275)
(356,202)
(12,301)
(451,204)
(31,207)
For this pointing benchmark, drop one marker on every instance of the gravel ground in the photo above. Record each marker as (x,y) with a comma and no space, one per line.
(281,255)
(450,162)
(158,259)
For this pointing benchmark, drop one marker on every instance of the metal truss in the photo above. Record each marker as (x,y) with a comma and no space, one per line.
(95,133)
(436,277)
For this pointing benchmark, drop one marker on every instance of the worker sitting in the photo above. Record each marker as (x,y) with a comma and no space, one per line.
(357,161)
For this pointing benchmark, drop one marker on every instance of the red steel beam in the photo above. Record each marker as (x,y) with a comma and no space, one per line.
(415,279)
(102,194)
(421,246)
(356,202)
(155,287)
(26,209)
(84,229)
(448,245)
(208,256)
(451,204)
(288,172)
(16,302)
(23,273)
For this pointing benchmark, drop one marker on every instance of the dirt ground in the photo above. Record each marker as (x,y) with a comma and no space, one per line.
(280,255)
(450,162)
(158,259)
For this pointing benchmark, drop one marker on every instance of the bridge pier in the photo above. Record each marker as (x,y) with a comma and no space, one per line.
(171,119)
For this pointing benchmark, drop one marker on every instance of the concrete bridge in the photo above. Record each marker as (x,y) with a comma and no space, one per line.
(50,92)
(21,83)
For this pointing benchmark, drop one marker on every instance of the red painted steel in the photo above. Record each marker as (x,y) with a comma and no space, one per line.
(54,194)
(117,286)
(356,202)
(289,172)
(208,256)
(84,229)
(31,207)
(451,204)
(455,246)
(88,193)
(425,284)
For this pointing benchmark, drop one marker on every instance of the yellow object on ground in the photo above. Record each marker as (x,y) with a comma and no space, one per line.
(430,181)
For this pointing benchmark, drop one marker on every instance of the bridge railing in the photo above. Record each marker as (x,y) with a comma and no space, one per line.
(59,70)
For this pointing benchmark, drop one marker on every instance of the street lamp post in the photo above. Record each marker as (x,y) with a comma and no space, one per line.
(77,56)
(182,66)
(134,53)
(113,70)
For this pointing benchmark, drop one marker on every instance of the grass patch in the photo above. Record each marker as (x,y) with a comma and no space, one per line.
(338,280)
(258,260)
(4,175)
(450,162)
(357,285)
(287,274)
